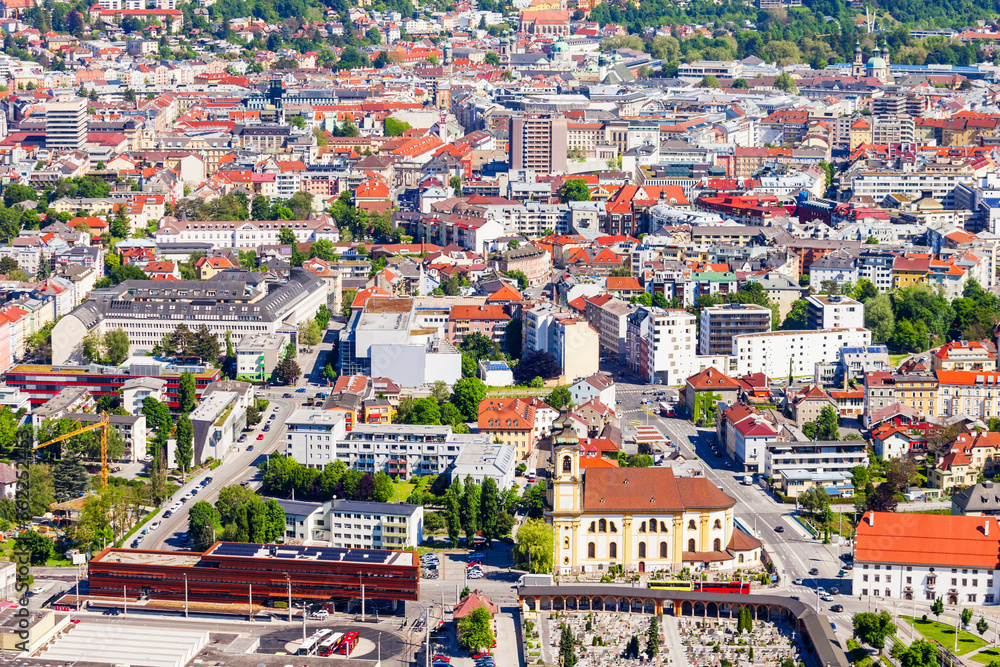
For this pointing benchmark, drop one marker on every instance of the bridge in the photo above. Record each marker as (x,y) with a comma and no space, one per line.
(813,628)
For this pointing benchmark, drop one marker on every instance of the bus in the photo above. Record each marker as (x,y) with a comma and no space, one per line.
(742,587)
(348,643)
(329,646)
(666,410)
(673,585)
(309,646)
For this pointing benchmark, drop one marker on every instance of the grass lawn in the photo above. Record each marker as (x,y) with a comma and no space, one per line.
(987,656)
(402,491)
(895,359)
(945,635)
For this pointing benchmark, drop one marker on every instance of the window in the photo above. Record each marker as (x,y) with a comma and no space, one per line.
(593,526)
(691,525)
(652,525)
(614,528)
(717,525)
(613,550)
(864,577)
(663,549)
(567,464)
(642,549)
(602,526)
(642,527)
(691,545)
(717,545)
(591,550)
(954,581)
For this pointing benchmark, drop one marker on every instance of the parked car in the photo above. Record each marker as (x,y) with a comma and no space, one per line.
(242,438)
(260,436)
(168,514)
(286,395)
(834,591)
(208,480)
(37,589)
(249,448)
(798,582)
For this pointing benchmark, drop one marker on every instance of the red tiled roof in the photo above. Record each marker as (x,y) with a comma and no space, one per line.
(928,539)
(649,490)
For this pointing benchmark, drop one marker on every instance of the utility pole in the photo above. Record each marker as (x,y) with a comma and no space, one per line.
(305,610)
(185,595)
(362,602)
(251,600)
(289,582)
(427,639)
(78,588)
(125,600)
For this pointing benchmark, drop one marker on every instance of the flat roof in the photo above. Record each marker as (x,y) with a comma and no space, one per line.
(135,557)
(298,553)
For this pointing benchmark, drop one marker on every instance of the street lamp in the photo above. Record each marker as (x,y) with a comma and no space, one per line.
(185,595)
(288,581)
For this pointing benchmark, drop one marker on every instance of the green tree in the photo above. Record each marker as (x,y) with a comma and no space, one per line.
(492,58)
(785,83)
(69,478)
(382,488)
(203,525)
(489,511)
(982,626)
(345,308)
(185,442)
(395,127)
(298,122)
(653,638)
(873,628)
(920,653)
(741,83)
(157,413)
(286,236)
(260,208)
(186,392)
(798,316)
(879,318)
(116,346)
(287,369)
(937,607)
(825,427)
(966,617)
(39,547)
(864,290)
(455,183)
(41,488)
(310,333)
(471,504)
(567,653)
(709,81)
(476,630)
(468,393)
(453,511)
(534,547)
(559,398)
(574,189)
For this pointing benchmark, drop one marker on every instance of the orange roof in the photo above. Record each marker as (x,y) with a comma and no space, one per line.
(917,539)
(711,379)
(513,414)
(624,283)
(505,293)
(491,312)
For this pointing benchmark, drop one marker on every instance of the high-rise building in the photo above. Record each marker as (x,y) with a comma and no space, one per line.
(66,124)
(538,143)
(720,323)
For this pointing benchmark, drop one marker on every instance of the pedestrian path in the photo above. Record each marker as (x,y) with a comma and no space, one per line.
(675,648)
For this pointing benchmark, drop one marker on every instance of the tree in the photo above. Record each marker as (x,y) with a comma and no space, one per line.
(453,511)
(69,478)
(310,333)
(537,364)
(518,275)
(864,290)
(16,193)
(560,398)
(39,547)
(186,392)
(287,370)
(709,81)
(156,412)
(469,392)
(298,122)
(785,83)
(901,473)
(185,442)
(825,427)
(492,58)
(260,207)
(566,647)
(982,626)
(455,183)
(476,630)
(920,653)
(286,236)
(203,525)
(741,83)
(345,308)
(879,318)
(534,547)
(512,338)
(798,316)
(574,189)
(937,607)
(41,488)
(815,501)
(92,347)
(394,127)
(653,638)
(966,617)
(873,628)
(116,347)
(471,501)
(489,510)
(881,499)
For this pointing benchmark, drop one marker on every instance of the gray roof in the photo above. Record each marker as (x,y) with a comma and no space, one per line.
(983,497)
(364,507)
(298,507)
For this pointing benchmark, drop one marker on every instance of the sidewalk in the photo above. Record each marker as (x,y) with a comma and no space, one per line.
(672,641)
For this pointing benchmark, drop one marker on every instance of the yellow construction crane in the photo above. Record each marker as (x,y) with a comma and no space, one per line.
(103,424)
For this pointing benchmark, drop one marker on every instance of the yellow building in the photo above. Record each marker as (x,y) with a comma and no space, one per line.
(861,133)
(644,519)
(377,411)
(910,270)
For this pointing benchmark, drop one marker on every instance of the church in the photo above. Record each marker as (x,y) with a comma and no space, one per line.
(645,519)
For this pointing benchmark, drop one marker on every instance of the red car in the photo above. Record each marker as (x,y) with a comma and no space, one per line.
(74,621)
(260,436)
(477,656)
(442,657)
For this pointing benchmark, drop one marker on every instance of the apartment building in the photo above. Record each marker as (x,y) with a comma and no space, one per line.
(661,345)
(511,421)
(354,524)
(880,184)
(719,324)
(609,316)
(244,234)
(918,388)
(973,393)
(66,122)
(538,143)
(313,436)
(257,355)
(834,312)
(232,303)
(568,338)
(814,456)
(486,319)
(784,353)
(876,266)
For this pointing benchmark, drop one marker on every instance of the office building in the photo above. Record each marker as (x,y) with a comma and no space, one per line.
(230,573)
(538,143)
(233,302)
(720,323)
(66,123)
(257,355)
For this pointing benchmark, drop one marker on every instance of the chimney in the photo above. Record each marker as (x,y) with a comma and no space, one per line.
(871,519)
(986,528)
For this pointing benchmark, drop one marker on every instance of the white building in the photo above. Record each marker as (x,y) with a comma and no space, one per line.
(486,459)
(246,233)
(573,342)
(219,419)
(312,436)
(354,524)
(137,390)
(782,353)
(907,557)
(661,345)
(813,456)
(257,355)
(599,386)
(132,430)
(835,312)
(495,373)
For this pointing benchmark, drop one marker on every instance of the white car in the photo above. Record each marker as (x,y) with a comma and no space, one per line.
(154,525)
(37,589)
